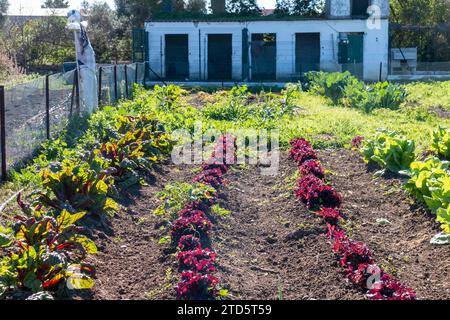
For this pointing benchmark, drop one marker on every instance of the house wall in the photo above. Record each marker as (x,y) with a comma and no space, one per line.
(375,44)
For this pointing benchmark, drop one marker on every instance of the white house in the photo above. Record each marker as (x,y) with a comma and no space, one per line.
(273,48)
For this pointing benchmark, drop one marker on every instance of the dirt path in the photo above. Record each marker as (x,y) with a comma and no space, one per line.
(270,246)
(403,246)
(131,264)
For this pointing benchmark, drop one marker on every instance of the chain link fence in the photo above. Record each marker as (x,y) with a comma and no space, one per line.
(32,112)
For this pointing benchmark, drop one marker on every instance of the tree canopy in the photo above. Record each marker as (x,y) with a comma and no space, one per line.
(55,4)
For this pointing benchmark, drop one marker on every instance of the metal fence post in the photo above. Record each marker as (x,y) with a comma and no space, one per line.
(3,132)
(145,73)
(126,80)
(77,88)
(100,81)
(47,106)
(115,83)
(136,73)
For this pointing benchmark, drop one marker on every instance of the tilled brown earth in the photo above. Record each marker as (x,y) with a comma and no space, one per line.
(131,264)
(401,245)
(270,246)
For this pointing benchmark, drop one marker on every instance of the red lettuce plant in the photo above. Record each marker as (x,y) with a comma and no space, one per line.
(199,260)
(197,224)
(356,142)
(351,253)
(188,242)
(312,192)
(312,167)
(330,216)
(301,151)
(192,225)
(390,289)
(213,177)
(196,286)
(354,256)
(224,152)
(190,212)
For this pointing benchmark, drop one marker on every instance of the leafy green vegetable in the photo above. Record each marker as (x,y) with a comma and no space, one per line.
(389,150)
(176,195)
(441,142)
(79,185)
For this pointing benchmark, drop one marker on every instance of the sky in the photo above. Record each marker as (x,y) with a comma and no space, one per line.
(16,5)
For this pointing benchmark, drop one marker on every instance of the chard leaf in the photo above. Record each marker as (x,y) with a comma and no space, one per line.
(441,238)
(79,281)
(101,187)
(31,282)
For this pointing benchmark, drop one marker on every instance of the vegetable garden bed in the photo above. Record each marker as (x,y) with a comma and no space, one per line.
(141,227)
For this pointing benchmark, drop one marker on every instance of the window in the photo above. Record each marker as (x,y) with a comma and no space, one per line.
(359,8)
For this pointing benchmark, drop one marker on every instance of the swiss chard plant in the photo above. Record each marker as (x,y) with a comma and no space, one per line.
(77,185)
(44,251)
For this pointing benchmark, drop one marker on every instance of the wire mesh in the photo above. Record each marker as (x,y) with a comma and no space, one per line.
(121,89)
(107,86)
(25,119)
(61,87)
(26,111)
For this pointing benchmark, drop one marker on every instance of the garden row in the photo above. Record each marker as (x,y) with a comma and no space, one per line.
(355,257)
(429,177)
(45,248)
(346,90)
(191,228)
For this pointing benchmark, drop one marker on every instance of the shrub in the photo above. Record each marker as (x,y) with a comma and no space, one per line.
(348,91)
(331,85)
(369,97)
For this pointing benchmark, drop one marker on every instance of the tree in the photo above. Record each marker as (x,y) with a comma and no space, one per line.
(283,7)
(138,11)
(431,37)
(38,41)
(243,8)
(425,12)
(55,4)
(309,8)
(109,36)
(196,7)
(4,6)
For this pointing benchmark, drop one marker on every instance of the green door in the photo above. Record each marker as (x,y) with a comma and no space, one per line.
(140,45)
(307,53)
(177,56)
(219,57)
(355,55)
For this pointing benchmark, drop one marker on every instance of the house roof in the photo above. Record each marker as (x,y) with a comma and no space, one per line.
(231,18)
